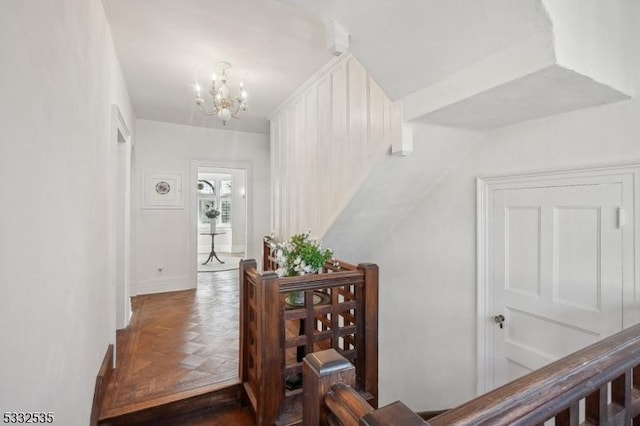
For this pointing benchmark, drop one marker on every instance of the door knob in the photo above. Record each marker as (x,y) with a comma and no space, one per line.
(499,319)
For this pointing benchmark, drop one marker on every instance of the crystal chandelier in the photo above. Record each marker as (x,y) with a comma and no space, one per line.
(222,104)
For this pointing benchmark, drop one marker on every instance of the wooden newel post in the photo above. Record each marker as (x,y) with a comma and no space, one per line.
(369,380)
(270,342)
(320,371)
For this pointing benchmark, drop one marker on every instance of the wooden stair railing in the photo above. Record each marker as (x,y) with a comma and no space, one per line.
(329,396)
(274,336)
(605,377)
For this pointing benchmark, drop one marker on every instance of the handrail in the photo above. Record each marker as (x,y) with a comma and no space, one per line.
(346,404)
(605,375)
(556,390)
(329,381)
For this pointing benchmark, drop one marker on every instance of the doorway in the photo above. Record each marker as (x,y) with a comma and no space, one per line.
(556,266)
(221,218)
(119,199)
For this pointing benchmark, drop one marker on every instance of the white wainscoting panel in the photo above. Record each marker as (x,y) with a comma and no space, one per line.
(325,139)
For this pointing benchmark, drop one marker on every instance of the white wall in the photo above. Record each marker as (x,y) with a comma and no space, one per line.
(591,38)
(394,187)
(428,260)
(59,78)
(163,237)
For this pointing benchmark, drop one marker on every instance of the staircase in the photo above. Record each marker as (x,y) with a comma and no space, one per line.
(181,409)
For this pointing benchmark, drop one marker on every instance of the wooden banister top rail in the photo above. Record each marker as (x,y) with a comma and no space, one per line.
(346,404)
(329,382)
(606,375)
(556,389)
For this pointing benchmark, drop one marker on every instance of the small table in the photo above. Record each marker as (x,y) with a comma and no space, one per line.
(213,246)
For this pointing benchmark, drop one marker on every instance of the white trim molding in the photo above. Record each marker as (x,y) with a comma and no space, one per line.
(193,207)
(626,174)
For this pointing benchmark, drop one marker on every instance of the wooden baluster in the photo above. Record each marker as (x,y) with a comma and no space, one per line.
(369,322)
(570,416)
(309,322)
(621,395)
(321,370)
(596,407)
(636,389)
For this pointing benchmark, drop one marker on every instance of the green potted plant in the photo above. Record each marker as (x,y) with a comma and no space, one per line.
(301,255)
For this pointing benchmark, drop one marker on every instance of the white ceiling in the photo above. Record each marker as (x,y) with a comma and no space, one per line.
(407,45)
(550,91)
(272,47)
(275,46)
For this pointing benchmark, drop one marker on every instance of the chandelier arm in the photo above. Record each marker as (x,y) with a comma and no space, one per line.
(204,111)
(223,104)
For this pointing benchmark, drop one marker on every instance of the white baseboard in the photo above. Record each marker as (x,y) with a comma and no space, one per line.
(163,285)
(238,248)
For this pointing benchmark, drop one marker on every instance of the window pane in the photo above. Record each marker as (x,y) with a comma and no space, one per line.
(225,211)
(206,186)
(225,187)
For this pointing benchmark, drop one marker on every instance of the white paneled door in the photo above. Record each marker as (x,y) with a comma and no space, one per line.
(557,272)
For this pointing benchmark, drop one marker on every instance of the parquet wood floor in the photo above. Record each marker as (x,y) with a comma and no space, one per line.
(177,345)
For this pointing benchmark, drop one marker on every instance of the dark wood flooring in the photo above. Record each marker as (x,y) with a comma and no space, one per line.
(236,416)
(178,345)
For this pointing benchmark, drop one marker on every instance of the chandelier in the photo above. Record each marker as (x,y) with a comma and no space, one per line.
(222,104)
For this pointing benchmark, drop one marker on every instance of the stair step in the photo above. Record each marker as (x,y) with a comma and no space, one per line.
(168,412)
(236,416)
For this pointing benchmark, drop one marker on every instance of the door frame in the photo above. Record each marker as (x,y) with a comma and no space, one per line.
(193,203)
(120,152)
(628,175)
